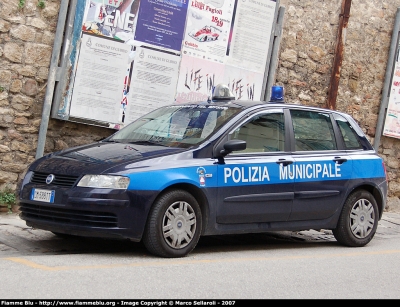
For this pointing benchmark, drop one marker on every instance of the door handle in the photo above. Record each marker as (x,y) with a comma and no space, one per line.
(284,162)
(339,160)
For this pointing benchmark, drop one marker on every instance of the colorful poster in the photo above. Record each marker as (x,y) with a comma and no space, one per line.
(153,82)
(111,18)
(99,79)
(161,23)
(251,30)
(392,122)
(138,55)
(207,29)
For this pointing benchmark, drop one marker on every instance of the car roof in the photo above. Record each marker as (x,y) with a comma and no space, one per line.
(245,104)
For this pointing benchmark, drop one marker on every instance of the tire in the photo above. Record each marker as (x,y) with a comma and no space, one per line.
(358,220)
(174,225)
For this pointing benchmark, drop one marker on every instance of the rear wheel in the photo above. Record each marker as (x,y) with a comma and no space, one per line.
(358,220)
(174,225)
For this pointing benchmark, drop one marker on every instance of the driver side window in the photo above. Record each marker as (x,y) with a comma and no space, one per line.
(263,133)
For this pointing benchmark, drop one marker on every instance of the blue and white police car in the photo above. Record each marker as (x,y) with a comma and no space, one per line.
(212,168)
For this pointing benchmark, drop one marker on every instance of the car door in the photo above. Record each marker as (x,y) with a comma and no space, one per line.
(250,187)
(321,171)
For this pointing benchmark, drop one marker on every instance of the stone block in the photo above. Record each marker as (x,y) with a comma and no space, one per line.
(8,177)
(16,86)
(38,54)
(13,52)
(24,33)
(30,87)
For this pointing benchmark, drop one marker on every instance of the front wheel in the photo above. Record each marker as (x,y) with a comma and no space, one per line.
(174,225)
(358,220)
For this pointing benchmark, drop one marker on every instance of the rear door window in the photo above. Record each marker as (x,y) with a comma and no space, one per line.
(313,131)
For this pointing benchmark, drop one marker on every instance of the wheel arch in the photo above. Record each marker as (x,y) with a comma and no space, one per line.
(375,193)
(197,193)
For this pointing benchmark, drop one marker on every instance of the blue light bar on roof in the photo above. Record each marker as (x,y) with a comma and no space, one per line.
(277,94)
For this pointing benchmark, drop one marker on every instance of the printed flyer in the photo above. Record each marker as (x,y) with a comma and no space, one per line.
(250,34)
(99,79)
(207,29)
(161,23)
(111,19)
(392,122)
(153,84)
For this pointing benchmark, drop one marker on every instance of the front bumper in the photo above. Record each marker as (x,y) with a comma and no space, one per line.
(87,212)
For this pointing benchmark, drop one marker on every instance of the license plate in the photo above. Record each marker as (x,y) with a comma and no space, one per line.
(46,196)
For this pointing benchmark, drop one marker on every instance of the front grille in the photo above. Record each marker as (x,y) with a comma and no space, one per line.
(59,180)
(68,216)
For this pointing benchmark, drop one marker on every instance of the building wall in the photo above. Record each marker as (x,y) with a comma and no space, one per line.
(306,59)
(304,69)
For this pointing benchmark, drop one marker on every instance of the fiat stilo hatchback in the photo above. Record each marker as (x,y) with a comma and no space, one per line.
(211,168)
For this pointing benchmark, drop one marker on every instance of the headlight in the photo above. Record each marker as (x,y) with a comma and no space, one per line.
(104,182)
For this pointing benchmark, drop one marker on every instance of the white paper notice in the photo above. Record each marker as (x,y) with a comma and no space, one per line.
(153,83)
(392,121)
(99,79)
(252,26)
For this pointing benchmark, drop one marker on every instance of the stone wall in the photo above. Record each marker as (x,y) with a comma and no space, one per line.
(306,58)
(26,42)
(304,69)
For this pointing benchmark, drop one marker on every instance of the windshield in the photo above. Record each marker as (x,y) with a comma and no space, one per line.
(176,126)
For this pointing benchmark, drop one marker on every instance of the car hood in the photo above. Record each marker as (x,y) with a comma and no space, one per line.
(97,158)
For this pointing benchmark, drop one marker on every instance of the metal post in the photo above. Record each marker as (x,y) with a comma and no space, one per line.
(388,81)
(275,51)
(51,79)
(65,64)
(337,62)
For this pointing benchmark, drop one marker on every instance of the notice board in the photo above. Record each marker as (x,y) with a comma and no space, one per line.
(128,57)
(392,122)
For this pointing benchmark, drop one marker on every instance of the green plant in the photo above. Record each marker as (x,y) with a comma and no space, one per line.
(41,4)
(8,198)
(21,4)
(2,89)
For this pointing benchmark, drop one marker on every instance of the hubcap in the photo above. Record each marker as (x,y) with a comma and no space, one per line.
(362,218)
(179,224)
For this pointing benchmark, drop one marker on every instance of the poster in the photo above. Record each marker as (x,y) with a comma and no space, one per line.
(99,79)
(111,19)
(207,29)
(153,82)
(161,23)
(251,30)
(392,122)
(138,55)
(244,84)
(197,78)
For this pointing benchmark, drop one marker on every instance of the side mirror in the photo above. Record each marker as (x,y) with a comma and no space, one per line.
(233,145)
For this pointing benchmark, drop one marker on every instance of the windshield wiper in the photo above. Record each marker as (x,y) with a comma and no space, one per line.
(145,143)
(111,141)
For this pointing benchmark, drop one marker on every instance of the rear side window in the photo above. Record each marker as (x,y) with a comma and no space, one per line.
(350,137)
(312,131)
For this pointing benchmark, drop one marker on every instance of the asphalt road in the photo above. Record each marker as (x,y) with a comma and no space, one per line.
(36,264)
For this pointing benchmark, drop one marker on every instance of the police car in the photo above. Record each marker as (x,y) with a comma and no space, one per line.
(211,168)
